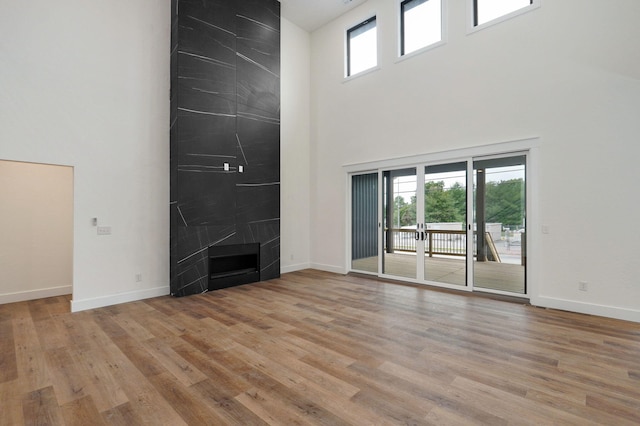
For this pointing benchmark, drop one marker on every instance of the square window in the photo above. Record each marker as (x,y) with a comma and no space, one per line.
(420,24)
(488,10)
(362,47)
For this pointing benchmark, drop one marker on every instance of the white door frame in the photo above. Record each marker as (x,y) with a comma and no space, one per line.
(528,146)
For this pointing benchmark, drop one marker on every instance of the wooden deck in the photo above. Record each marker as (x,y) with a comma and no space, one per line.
(315,348)
(491,275)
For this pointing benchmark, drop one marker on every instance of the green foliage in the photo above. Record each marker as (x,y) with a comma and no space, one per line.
(404,213)
(439,205)
(504,202)
(458,194)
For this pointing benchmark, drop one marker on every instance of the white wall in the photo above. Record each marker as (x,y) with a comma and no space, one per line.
(36,229)
(86,84)
(295,145)
(566,72)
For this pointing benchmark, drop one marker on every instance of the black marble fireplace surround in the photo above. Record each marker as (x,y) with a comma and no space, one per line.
(225,136)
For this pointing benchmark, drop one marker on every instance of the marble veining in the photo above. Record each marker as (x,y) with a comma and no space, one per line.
(205,112)
(241,150)
(263,67)
(258,117)
(194,168)
(225,108)
(207,59)
(182,216)
(258,184)
(263,25)
(191,255)
(210,25)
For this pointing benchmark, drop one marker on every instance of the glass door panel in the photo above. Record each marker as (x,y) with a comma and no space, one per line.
(399,222)
(500,226)
(364,222)
(445,219)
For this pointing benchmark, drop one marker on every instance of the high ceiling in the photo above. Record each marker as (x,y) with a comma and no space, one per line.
(312,14)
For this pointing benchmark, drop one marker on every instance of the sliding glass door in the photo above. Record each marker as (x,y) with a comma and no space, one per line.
(459,224)
(500,223)
(399,194)
(445,220)
(424,223)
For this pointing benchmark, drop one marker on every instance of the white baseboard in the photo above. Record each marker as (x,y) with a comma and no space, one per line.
(293,268)
(132,296)
(328,268)
(587,308)
(35,294)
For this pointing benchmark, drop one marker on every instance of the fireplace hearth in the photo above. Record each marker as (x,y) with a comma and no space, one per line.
(232,265)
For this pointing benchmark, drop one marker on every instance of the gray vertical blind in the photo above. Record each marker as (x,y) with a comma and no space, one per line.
(364,216)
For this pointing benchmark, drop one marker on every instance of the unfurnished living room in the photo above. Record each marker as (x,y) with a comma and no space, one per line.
(363,212)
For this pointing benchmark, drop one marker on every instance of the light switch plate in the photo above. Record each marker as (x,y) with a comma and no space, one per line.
(104,230)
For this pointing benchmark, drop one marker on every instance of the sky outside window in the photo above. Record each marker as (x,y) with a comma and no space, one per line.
(363,47)
(422,24)
(488,10)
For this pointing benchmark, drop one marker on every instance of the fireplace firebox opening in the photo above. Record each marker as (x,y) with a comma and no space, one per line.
(232,265)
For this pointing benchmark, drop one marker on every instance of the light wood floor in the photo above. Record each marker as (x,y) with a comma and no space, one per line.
(493,275)
(315,348)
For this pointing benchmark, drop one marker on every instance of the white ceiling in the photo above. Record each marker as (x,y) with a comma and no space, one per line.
(312,14)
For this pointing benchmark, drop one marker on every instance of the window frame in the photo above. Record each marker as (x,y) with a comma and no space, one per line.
(401,35)
(349,30)
(472,15)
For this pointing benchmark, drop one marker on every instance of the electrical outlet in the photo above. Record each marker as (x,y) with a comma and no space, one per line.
(583,286)
(104,230)
(138,278)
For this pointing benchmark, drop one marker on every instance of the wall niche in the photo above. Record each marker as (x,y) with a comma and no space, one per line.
(225,135)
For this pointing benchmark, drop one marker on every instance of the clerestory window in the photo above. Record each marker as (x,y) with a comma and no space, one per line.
(420,24)
(362,47)
(487,11)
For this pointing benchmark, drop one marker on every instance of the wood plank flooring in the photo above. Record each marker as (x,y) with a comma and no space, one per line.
(315,348)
